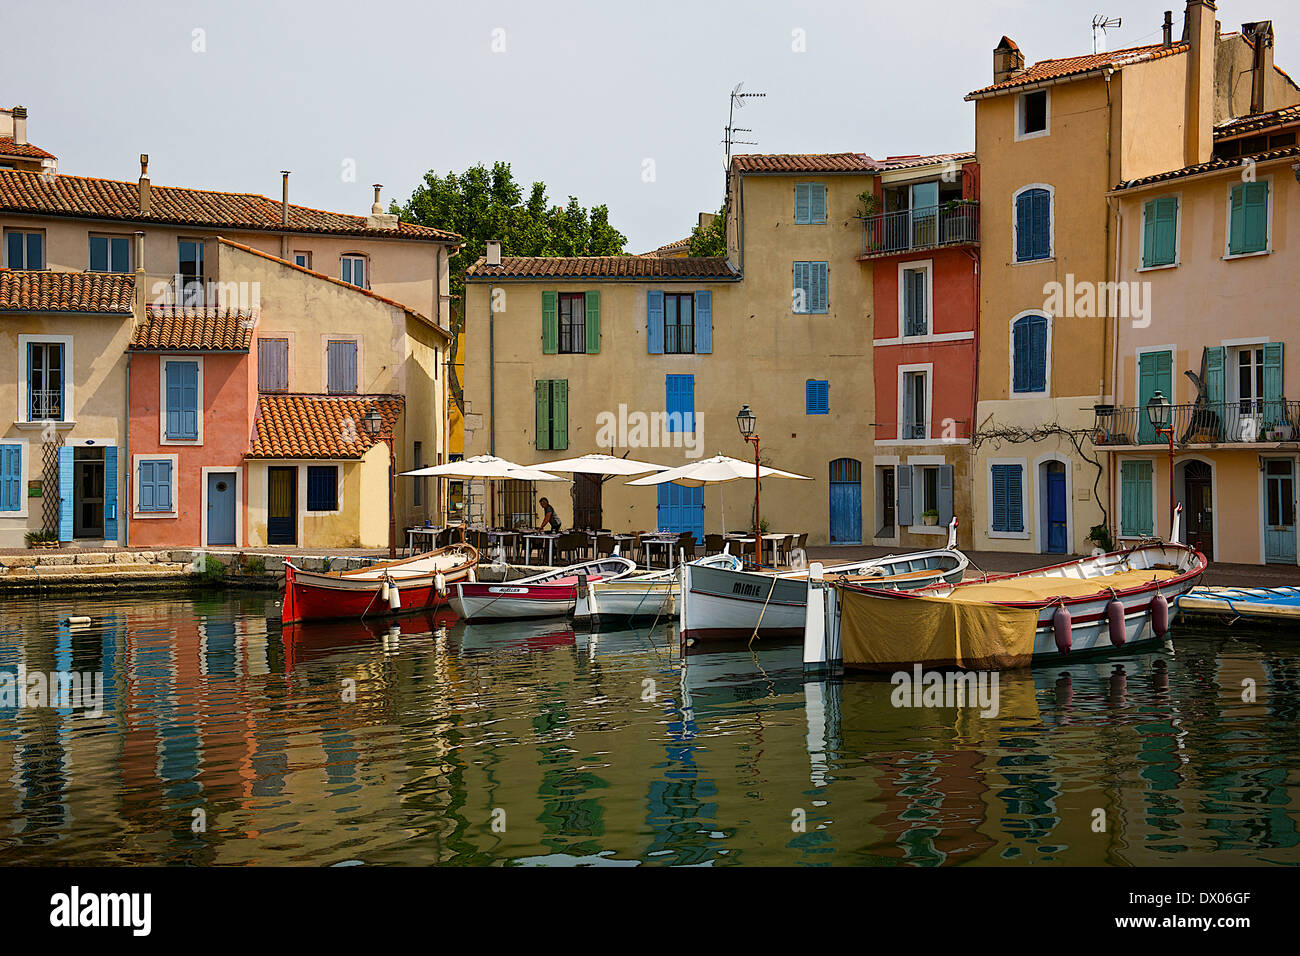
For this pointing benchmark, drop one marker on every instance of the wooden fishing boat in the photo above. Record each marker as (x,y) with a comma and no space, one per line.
(1258,605)
(1106,602)
(722,604)
(549,594)
(641,595)
(390,587)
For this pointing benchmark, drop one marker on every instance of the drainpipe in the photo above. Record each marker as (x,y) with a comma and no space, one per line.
(492,374)
(137,316)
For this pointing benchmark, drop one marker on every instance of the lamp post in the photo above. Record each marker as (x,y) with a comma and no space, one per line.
(746,421)
(374,423)
(1161,415)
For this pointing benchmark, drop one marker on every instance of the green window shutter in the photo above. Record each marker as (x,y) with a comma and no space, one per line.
(550,323)
(559,414)
(1155,374)
(542,435)
(1215,380)
(1166,242)
(593,323)
(1274,410)
(1255,216)
(1149,234)
(1236,220)
(1135,504)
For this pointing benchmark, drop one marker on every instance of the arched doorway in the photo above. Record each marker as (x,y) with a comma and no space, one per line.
(1198,507)
(846,501)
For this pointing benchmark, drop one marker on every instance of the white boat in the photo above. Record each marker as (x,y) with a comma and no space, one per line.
(643,595)
(1101,603)
(722,604)
(549,594)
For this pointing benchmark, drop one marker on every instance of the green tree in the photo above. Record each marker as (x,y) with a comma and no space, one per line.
(712,239)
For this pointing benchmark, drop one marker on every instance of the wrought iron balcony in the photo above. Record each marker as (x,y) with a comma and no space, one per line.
(1211,423)
(47,405)
(955,223)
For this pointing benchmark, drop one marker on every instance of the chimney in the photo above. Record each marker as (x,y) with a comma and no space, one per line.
(493,252)
(284,197)
(1168,28)
(378,219)
(20,125)
(1201,32)
(146,196)
(706,220)
(1261,65)
(1008,61)
(138,307)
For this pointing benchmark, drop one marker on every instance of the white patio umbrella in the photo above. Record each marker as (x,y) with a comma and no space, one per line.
(600,465)
(714,471)
(487,467)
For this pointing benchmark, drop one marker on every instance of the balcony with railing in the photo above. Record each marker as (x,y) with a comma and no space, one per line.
(46,405)
(955,223)
(679,339)
(1247,422)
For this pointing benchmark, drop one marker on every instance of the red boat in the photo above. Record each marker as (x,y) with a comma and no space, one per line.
(391,587)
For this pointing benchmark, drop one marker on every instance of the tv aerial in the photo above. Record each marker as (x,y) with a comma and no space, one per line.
(1100,24)
(738,98)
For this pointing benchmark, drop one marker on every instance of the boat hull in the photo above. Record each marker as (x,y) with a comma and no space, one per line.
(505,601)
(321,596)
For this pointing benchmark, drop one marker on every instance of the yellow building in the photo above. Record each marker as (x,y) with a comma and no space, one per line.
(1052,139)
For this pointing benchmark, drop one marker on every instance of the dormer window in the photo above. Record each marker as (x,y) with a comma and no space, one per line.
(1033,113)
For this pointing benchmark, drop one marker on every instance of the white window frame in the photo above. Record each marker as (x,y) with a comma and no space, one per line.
(927,265)
(203,495)
(338,486)
(1025,493)
(1019,118)
(25,230)
(1119,499)
(918,463)
(1268,228)
(163,361)
(130,252)
(903,370)
(307,254)
(135,486)
(885,461)
(354,256)
(1011,356)
(1178,232)
(1051,224)
(24,379)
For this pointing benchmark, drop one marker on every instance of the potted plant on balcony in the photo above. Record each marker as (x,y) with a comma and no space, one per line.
(1278,431)
(930,518)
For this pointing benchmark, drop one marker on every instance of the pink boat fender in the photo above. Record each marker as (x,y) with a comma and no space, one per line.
(1160,615)
(1115,617)
(1061,624)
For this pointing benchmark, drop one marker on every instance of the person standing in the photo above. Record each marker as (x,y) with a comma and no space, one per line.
(550,521)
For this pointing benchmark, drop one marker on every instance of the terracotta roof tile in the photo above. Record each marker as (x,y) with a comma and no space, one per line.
(101,292)
(1255,122)
(671,248)
(319,426)
(1078,65)
(9,148)
(601,267)
(1214,164)
(907,162)
(803,163)
(60,195)
(195,329)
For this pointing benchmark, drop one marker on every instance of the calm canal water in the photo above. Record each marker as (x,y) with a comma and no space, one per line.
(530,744)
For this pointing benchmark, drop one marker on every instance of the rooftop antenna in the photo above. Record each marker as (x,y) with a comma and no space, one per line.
(1100,24)
(738,97)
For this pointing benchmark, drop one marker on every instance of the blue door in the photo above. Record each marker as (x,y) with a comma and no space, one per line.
(681,509)
(846,501)
(221,507)
(1057,536)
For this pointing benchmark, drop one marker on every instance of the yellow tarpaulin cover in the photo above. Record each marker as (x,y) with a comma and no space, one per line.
(1042,588)
(886,634)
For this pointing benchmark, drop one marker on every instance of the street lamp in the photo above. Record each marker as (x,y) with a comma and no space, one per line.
(747,421)
(374,423)
(1161,415)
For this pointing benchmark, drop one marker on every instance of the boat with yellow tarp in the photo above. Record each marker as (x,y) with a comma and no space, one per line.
(1105,602)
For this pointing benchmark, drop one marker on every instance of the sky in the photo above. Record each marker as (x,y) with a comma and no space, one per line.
(613,102)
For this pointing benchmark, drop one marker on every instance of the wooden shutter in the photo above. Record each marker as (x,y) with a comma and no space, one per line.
(704,322)
(162,474)
(945,494)
(1024,227)
(1274,409)
(1166,231)
(593,322)
(1155,373)
(273,364)
(904,493)
(173,390)
(817,397)
(110,493)
(542,427)
(189,399)
(1149,233)
(342,372)
(11,475)
(801,285)
(1042,226)
(1255,216)
(559,414)
(550,323)
(1029,354)
(654,305)
(1135,498)
(801,203)
(821,273)
(817,202)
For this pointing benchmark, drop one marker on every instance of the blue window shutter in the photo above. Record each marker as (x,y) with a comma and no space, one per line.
(1020,356)
(801,203)
(817,397)
(1037,353)
(163,485)
(110,493)
(904,494)
(1015,499)
(671,402)
(704,322)
(655,321)
(190,399)
(11,477)
(688,403)
(1023,226)
(945,494)
(147,489)
(65,493)
(817,202)
(998,477)
(1042,224)
(822,272)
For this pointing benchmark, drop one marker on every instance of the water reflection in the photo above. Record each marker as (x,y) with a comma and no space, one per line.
(225,740)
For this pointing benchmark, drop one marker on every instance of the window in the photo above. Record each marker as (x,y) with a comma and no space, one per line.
(679,323)
(302,259)
(155,485)
(809,203)
(1135,498)
(886,501)
(45,382)
(1250,380)
(1160,232)
(322,488)
(273,365)
(517,503)
(110,254)
(189,271)
(354,271)
(1008,498)
(1248,214)
(680,401)
(24,250)
(1029,348)
(1031,114)
(552,426)
(916,413)
(1279,494)
(417,456)
(811,287)
(1033,224)
(181,384)
(341,359)
(573,323)
(915,300)
(817,398)
(11,477)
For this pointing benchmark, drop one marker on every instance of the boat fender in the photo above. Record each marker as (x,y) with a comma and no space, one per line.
(383,590)
(1115,617)
(471,577)
(394,598)
(1061,624)
(440,584)
(1160,615)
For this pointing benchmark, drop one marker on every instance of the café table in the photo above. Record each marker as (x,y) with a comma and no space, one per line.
(431,534)
(668,541)
(547,536)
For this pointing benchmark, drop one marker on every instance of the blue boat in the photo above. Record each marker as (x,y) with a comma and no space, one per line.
(1262,605)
